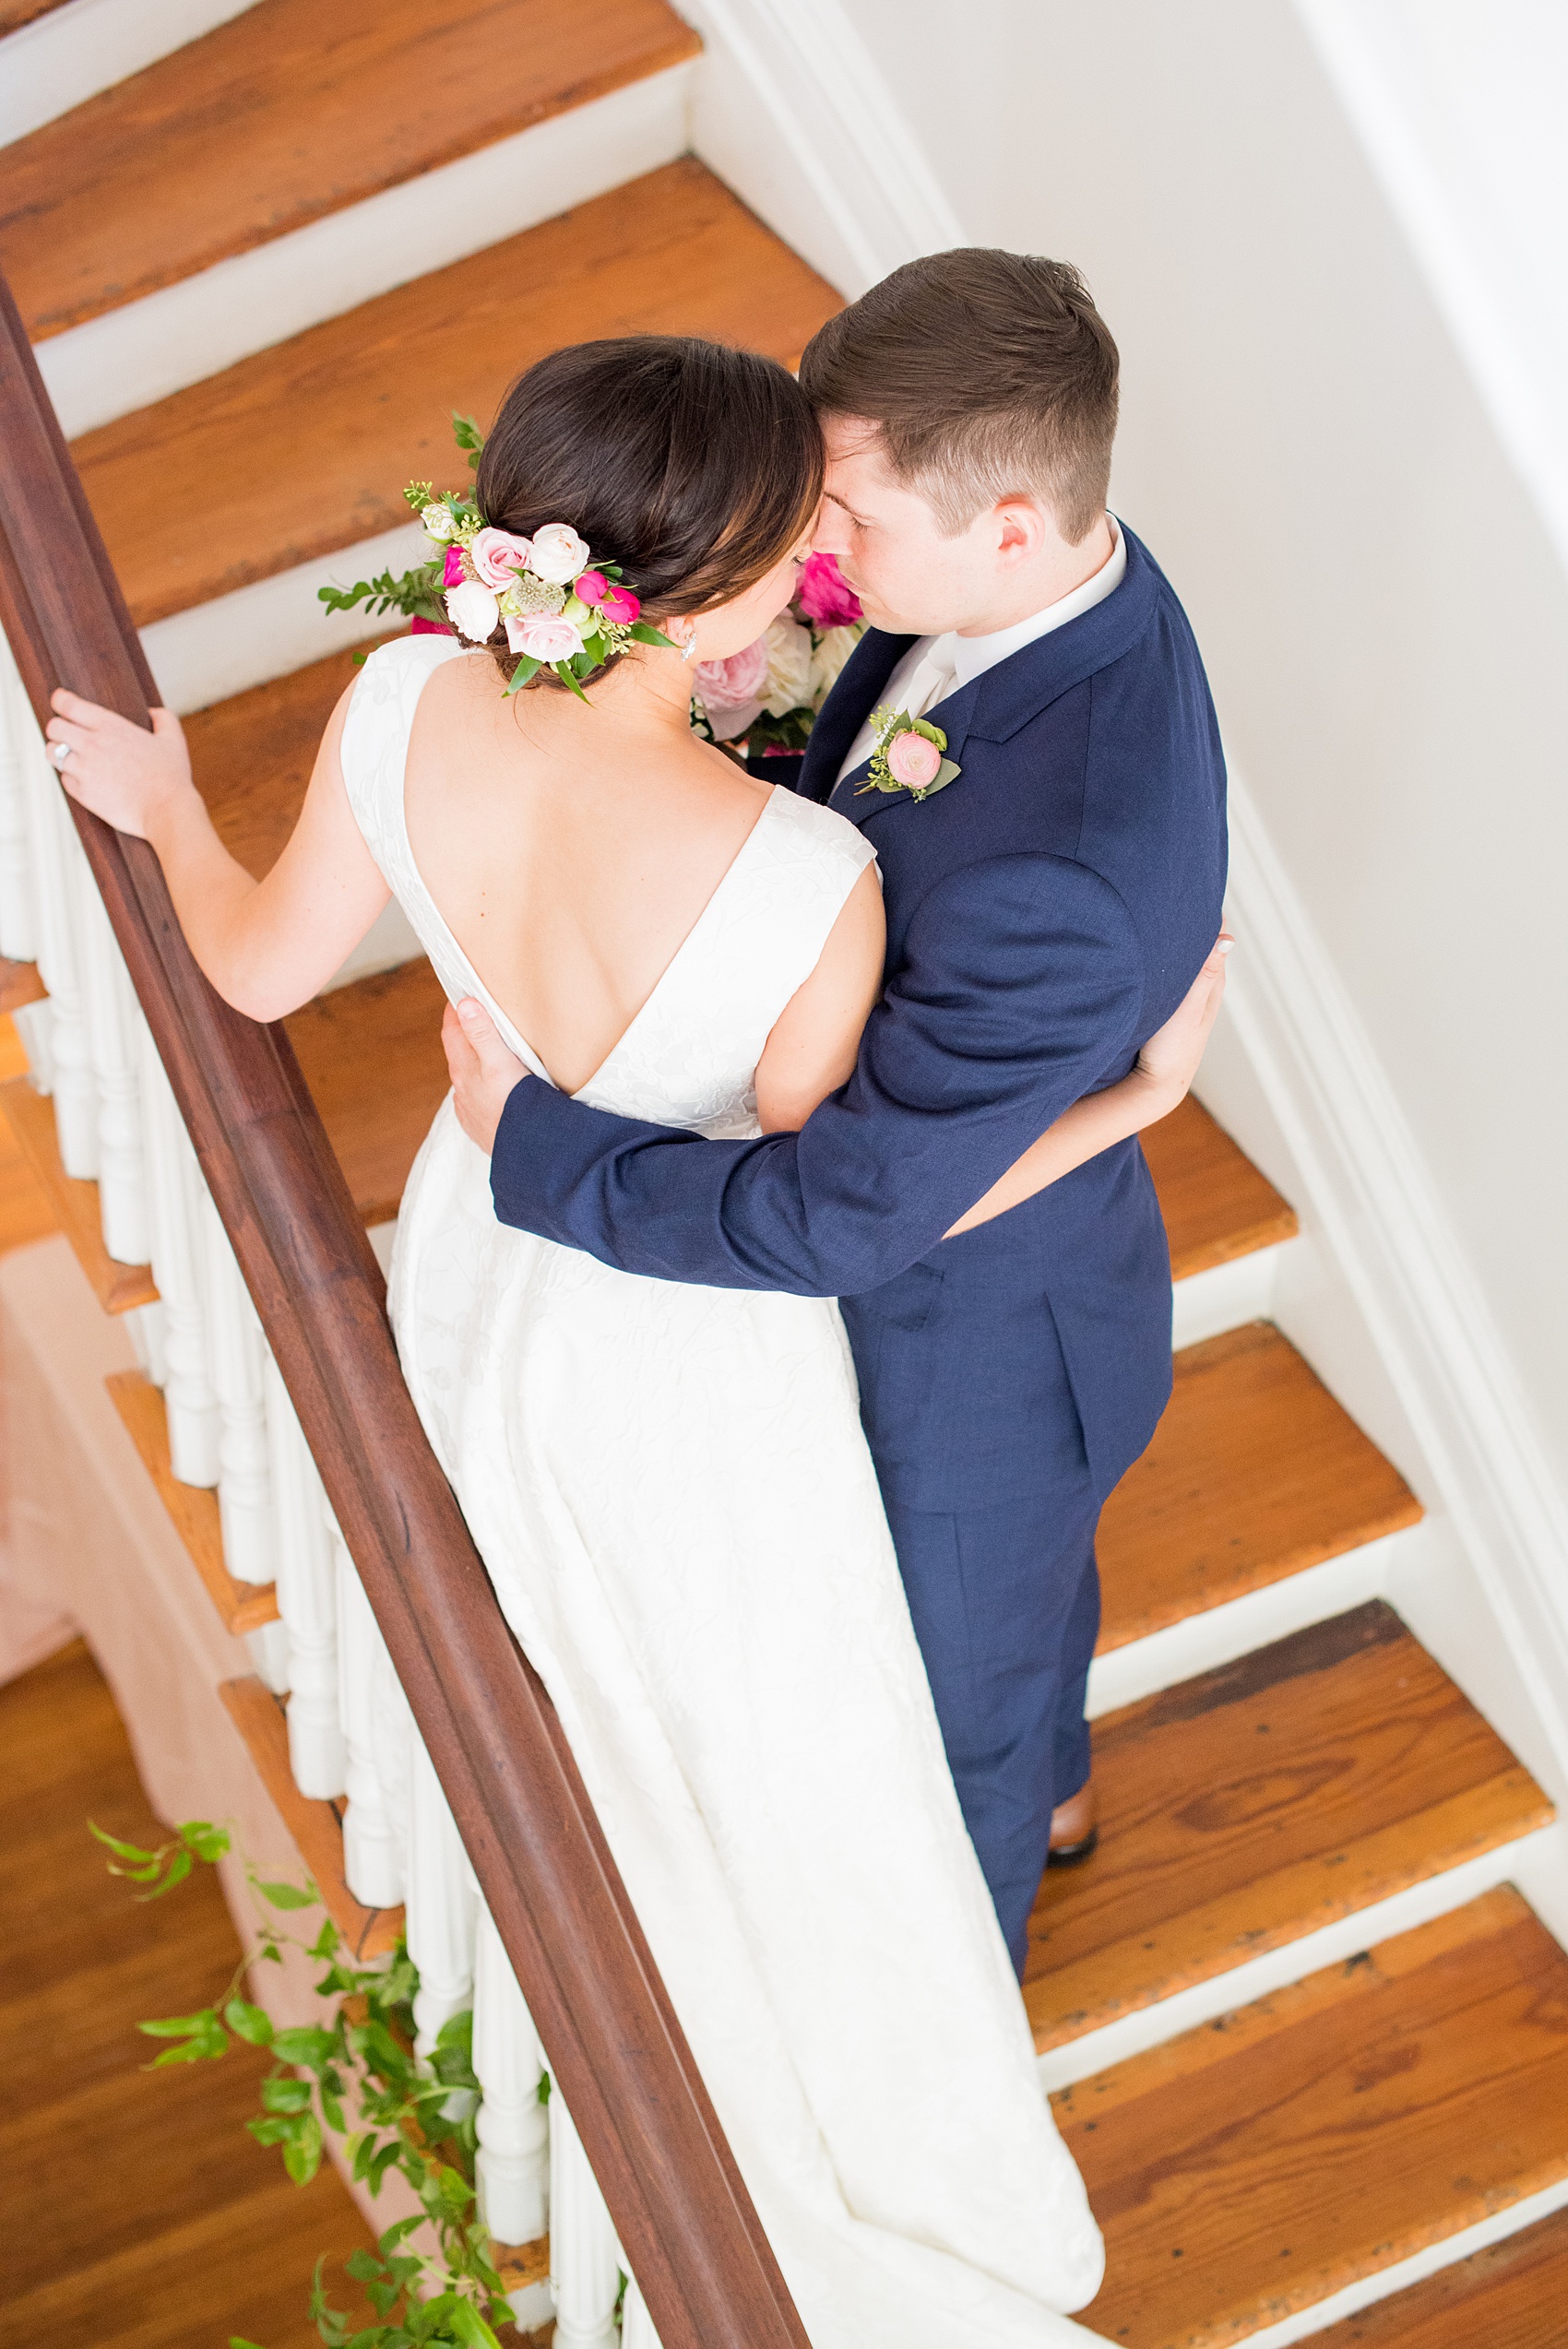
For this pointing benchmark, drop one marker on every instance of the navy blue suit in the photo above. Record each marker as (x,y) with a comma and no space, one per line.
(1046,913)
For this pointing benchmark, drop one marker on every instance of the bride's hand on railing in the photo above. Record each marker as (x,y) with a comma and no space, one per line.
(128,776)
(484,1071)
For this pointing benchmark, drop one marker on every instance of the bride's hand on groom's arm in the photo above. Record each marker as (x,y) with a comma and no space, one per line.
(484,1071)
(1160,1080)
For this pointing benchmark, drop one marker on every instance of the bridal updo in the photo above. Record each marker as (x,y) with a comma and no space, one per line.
(693,466)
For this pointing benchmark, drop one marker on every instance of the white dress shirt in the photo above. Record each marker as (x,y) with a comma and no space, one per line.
(955,660)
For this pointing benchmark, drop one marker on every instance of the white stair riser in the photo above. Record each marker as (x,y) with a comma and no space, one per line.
(69,55)
(127,358)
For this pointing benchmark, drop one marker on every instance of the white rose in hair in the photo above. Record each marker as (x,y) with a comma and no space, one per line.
(829,659)
(558,555)
(439,523)
(474,611)
(789,667)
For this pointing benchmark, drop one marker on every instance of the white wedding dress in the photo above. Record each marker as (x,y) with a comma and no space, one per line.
(671,1493)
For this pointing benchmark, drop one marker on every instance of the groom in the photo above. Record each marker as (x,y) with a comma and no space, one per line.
(1046,913)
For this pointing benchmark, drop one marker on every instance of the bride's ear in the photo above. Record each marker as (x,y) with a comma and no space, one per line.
(685,633)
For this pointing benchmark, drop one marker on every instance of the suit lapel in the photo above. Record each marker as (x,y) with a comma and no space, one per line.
(847,708)
(953,716)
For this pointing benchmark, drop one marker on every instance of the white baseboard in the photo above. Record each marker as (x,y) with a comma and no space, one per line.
(129,357)
(1366,1197)
(790,109)
(63,58)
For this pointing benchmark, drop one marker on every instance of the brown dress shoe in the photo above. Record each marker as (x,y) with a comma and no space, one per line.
(1075,1828)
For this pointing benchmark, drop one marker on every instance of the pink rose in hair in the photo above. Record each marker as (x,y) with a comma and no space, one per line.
(452,572)
(825,596)
(620,604)
(498,556)
(913,760)
(592,586)
(543,636)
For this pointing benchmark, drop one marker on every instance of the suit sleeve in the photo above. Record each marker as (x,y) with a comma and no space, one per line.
(1020,990)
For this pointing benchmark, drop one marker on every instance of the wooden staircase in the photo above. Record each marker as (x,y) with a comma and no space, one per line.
(1267,2117)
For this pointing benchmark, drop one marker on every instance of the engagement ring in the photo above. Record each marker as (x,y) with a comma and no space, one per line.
(58,753)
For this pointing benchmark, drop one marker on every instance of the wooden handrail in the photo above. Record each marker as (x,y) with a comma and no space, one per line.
(679,2207)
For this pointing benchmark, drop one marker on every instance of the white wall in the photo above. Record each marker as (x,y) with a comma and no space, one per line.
(1375,591)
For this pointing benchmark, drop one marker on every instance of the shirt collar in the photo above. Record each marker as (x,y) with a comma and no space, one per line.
(972,656)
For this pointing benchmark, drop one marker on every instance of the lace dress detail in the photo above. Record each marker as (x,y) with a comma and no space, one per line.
(671,1494)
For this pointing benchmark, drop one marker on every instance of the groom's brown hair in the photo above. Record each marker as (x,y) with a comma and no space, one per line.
(990,374)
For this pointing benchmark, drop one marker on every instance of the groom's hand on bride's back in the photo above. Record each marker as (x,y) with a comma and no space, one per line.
(484,1071)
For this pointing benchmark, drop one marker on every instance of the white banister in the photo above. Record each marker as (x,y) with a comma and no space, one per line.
(307,1599)
(109,1001)
(53,839)
(513,2121)
(585,2259)
(235,1350)
(373,1859)
(442,1904)
(172,1178)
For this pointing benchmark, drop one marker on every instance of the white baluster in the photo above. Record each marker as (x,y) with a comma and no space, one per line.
(636,2325)
(372,1860)
(173,1183)
(269,1653)
(34,1025)
(514,2126)
(18,929)
(110,1006)
(147,1326)
(54,842)
(585,2267)
(307,1599)
(234,1345)
(442,1906)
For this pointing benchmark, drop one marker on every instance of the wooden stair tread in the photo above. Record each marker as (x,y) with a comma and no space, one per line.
(372,1056)
(1216,1204)
(1512,2295)
(1254,1473)
(252,755)
(1252,1805)
(72,1203)
(285,114)
(14,14)
(670,253)
(242,1607)
(317,1827)
(1250,2168)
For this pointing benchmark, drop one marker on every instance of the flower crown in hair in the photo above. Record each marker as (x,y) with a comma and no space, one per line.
(561,609)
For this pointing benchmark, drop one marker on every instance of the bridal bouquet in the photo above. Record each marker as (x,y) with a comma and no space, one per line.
(772,692)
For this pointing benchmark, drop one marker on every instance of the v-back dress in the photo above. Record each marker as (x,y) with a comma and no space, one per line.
(674,1499)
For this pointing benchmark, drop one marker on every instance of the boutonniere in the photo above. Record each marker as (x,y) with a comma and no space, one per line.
(908,755)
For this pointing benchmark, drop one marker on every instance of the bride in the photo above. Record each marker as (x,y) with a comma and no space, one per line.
(669,1485)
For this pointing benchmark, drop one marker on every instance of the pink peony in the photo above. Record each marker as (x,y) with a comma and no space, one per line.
(825,596)
(727,684)
(422,627)
(620,604)
(498,556)
(544,636)
(592,586)
(452,573)
(913,760)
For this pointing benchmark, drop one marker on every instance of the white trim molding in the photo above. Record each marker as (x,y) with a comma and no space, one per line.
(1378,1211)
(792,111)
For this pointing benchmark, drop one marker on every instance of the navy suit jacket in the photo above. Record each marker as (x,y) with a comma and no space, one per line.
(1046,913)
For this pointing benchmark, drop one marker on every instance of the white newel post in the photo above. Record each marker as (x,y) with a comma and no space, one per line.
(18,932)
(307,1599)
(54,838)
(514,2125)
(585,2259)
(111,1017)
(172,1181)
(372,1858)
(235,1343)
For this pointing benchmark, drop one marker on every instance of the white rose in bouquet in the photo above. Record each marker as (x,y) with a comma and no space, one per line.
(831,654)
(558,555)
(474,611)
(440,523)
(789,667)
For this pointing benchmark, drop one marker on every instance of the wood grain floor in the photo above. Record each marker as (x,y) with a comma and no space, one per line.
(1249,2168)
(1256,1803)
(26,1211)
(1513,2296)
(289,112)
(138,2213)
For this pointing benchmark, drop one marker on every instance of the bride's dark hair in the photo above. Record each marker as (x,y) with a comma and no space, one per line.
(693,466)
